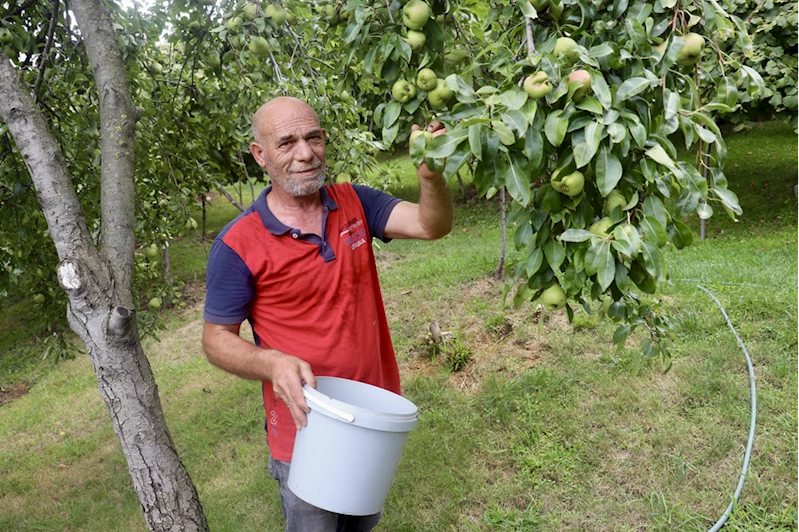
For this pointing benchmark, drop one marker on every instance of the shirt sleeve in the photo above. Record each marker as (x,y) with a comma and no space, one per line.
(377,205)
(230,286)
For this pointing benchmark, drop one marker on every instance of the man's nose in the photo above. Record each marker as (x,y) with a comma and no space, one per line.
(303,151)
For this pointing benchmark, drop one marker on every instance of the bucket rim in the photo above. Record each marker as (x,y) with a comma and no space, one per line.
(344,411)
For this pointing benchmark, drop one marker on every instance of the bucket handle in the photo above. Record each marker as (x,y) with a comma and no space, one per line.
(336,412)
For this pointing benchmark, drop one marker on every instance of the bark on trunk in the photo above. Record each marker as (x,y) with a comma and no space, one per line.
(99,283)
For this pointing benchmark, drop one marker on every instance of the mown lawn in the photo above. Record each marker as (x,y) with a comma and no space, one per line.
(546,428)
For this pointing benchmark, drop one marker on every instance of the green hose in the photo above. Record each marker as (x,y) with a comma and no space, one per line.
(752,417)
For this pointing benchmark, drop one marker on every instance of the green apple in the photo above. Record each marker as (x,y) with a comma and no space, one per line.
(277,14)
(601,227)
(5,36)
(554,298)
(538,85)
(415,14)
(439,96)
(234,24)
(259,46)
(692,51)
(248,11)
(38,299)
(403,91)
(661,49)
(572,184)
(154,303)
(614,199)
(416,39)
(426,79)
(428,136)
(212,59)
(151,252)
(584,78)
(566,49)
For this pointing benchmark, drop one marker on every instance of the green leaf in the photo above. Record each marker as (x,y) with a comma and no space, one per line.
(608,171)
(604,265)
(523,294)
(474,141)
(601,90)
(576,235)
(445,145)
(626,240)
(534,147)
(681,235)
(585,150)
(672,104)
(555,254)
(512,99)
(704,211)
(601,50)
(517,179)
(555,127)
(506,136)
(516,121)
(620,335)
(391,114)
(527,9)
(729,199)
(390,133)
(659,155)
(456,161)
(463,91)
(617,132)
(591,105)
(630,88)
(654,262)
(654,231)
(534,261)
(653,207)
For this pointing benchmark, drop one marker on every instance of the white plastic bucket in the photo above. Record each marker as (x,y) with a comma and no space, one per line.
(345,459)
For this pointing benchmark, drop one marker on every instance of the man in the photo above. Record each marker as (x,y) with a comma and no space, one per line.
(299,265)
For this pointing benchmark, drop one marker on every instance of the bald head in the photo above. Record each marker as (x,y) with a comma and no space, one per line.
(264,118)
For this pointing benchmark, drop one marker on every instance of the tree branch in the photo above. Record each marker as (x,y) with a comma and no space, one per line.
(46,52)
(46,165)
(118,118)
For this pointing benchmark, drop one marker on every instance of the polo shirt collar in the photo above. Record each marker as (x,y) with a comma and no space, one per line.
(270,221)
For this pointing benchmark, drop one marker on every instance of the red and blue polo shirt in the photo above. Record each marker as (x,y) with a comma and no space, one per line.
(316,298)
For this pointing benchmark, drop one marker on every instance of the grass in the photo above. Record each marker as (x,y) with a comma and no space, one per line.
(543,429)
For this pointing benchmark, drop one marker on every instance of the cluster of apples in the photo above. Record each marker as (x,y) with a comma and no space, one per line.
(415,15)
(258,44)
(426,79)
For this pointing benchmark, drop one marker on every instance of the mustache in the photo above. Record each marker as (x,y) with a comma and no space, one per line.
(307,169)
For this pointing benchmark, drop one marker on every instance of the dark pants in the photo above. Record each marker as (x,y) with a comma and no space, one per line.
(304,517)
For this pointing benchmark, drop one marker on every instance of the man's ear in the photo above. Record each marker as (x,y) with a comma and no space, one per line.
(258,154)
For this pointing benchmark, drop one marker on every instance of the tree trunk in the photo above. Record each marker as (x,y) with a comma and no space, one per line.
(499,273)
(99,281)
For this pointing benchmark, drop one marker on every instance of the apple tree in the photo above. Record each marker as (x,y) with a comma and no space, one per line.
(582,111)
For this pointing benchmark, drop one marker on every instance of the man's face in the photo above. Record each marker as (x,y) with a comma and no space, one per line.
(292,148)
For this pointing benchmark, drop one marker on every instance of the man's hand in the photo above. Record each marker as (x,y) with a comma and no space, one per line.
(287,375)
(225,349)
(436,128)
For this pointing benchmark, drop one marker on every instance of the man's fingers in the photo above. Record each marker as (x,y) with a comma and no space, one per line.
(434,125)
(415,127)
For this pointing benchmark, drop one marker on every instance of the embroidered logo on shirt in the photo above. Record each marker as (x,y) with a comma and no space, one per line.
(353,233)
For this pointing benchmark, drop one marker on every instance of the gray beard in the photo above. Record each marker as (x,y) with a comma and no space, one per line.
(299,189)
